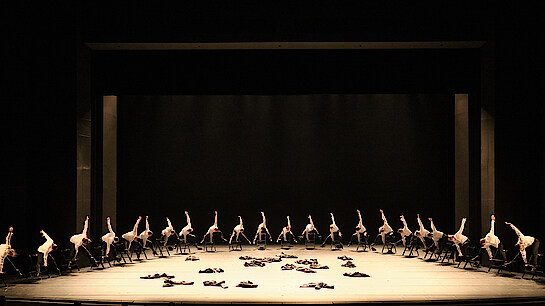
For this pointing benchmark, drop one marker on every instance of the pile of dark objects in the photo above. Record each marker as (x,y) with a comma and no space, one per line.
(344,257)
(258,261)
(191,258)
(247,284)
(356,274)
(317,286)
(214,283)
(157,275)
(313,263)
(288,267)
(212,270)
(284,255)
(170,283)
(349,264)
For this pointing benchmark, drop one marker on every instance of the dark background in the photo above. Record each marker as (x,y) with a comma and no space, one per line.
(285,155)
(41,57)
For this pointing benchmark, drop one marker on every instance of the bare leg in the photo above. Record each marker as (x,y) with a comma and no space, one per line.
(246,238)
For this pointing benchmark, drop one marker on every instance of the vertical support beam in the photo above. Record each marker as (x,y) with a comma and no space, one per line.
(474,218)
(109,160)
(83,142)
(461,156)
(487,136)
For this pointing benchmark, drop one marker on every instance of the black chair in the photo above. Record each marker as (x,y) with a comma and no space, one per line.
(363,244)
(159,246)
(469,252)
(67,263)
(412,246)
(121,252)
(211,247)
(98,254)
(310,243)
(534,269)
(336,243)
(36,270)
(390,245)
(262,240)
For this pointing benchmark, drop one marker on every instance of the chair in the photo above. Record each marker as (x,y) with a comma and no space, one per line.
(67,262)
(184,247)
(98,252)
(158,245)
(412,246)
(389,245)
(310,243)
(499,260)
(211,247)
(336,243)
(121,252)
(35,269)
(469,252)
(262,240)
(534,269)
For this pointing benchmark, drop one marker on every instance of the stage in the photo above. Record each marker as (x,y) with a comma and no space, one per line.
(393,278)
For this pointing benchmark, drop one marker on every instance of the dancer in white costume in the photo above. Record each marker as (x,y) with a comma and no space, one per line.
(435,235)
(45,248)
(360,230)
(187,230)
(132,235)
(213,229)
(524,242)
(285,231)
(109,238)
(459,238)
(405,231)
(491,239)
(333,228)
(169,230)
(80,239)
(309,228)
(6,250)
(144,236)
(384,230)
(237,231)
(261,227)
(421,233)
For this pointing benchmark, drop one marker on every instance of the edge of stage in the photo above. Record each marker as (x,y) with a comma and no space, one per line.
(394,279)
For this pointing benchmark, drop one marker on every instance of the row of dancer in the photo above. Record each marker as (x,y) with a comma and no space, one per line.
(490,240)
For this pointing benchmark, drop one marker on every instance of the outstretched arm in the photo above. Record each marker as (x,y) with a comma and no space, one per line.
(461,230)
(169,224)
(519,233)
(419,221)
(215,218)
(8,237)
(147,224)
(135,228)
(109,225)
(492,221)
(85,225)
(432,225)
(332,218)
(46,236)
(359,215)
(264,220)
(289,223)
(188,219)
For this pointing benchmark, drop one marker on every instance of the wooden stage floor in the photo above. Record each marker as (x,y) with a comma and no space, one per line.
(393,278)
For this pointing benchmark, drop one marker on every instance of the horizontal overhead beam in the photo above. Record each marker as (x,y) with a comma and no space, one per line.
(288,45)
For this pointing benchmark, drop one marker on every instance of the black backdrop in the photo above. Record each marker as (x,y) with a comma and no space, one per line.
(285,154)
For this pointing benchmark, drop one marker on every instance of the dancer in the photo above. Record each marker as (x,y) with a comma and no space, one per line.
(261,227)
(309,228)
(238,230)
(459,238)
(79,240)
(213,229)
(422,233)
(523,243)
(187,230)
(435,235)
(6,250)
(146,233)
(333,228)
(384,230)
(44,249)
(285,231)
(132,235)
(405,231)
(108,238)
(169,230)
(492,240)
(360,230)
